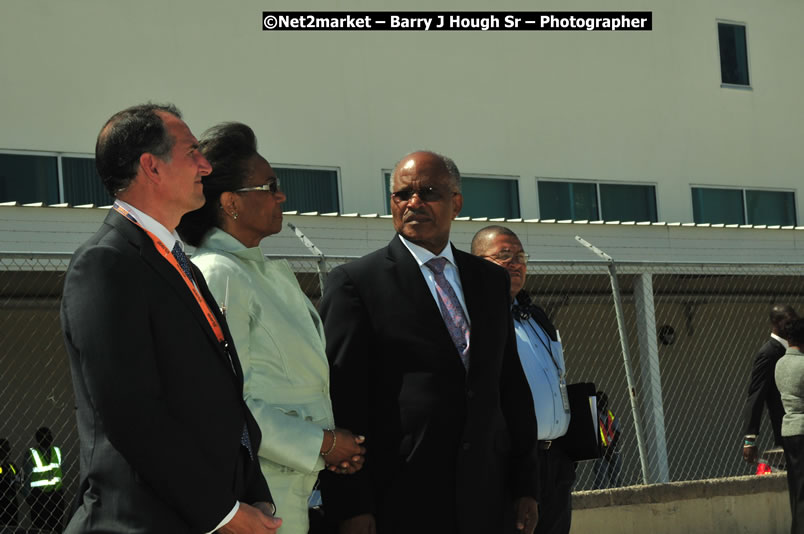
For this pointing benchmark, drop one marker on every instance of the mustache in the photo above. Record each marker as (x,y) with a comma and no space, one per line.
(414,212)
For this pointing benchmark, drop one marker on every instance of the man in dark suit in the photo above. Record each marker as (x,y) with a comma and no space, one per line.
(167,442)
(542,357)
(762,390)
(424,364)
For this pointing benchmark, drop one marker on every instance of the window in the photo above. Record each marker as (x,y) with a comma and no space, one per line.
(568,200)
(733,54)
(51,178)
(82,185)
(592,201)
(625,202)
(743,206)
(490,197)
(309,189)
(482,197)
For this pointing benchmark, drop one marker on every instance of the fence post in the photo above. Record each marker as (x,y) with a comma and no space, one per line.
(653,409)
(629,374)
(321,261)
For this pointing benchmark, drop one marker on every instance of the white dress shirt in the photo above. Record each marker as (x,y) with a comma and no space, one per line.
(781,340)
(422,256)
(152,225)
(169,239)
(543,362)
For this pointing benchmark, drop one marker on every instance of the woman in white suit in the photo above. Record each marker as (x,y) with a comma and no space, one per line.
(277,331)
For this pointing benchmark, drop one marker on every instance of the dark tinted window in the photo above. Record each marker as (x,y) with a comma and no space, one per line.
(568,200)
(490,197)
(27,179)
(82,185)
(771,207)
(309,190)
(733,54)
(717,206)
(626,202)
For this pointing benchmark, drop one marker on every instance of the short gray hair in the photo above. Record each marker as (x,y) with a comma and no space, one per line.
(452,169)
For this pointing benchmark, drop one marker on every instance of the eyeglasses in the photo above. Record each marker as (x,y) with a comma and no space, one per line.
(272,186)
(425,194)
(506,256)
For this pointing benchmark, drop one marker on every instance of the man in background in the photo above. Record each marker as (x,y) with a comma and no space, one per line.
(43,474)
(542,358)
(762,390)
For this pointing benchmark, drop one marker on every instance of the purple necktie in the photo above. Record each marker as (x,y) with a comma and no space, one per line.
(451,309)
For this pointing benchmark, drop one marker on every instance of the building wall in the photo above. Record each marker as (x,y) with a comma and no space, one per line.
(632,106)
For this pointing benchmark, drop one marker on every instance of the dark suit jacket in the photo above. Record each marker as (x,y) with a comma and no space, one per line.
(762,391)
(446,449)
(160,410)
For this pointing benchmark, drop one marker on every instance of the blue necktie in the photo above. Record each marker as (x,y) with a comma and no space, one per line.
(181,257)
(451,309)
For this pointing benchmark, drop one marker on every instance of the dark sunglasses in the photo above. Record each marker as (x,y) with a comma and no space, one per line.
(425,194)
(272,186)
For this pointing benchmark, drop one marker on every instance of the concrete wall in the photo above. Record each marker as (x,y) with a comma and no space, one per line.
(44,229)
(643,107)
(741,505)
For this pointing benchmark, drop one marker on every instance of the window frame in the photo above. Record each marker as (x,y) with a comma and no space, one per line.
(743,191)
(749,86)
(597,184)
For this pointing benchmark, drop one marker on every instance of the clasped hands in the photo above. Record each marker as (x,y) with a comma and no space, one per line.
(343,451)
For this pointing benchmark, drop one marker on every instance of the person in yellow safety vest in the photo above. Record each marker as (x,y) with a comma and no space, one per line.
(607,468)
(10,477)
(43,487)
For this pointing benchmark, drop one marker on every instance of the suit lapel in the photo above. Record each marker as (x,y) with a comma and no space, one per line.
(137,237)
(468,281)
(407,272)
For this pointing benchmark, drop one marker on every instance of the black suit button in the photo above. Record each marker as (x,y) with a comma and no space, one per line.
(470,394)
(467,446)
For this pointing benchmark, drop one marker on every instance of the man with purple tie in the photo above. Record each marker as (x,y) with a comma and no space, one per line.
(424,364)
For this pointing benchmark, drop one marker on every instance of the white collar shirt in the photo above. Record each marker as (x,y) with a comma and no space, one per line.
(422,256)
(781,340)
(152,225)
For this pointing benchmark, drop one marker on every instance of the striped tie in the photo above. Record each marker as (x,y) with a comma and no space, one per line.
(451,309)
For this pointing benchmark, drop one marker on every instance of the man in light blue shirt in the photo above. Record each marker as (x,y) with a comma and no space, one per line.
(540,352)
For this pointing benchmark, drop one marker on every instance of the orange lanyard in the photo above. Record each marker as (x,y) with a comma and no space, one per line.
(168,255)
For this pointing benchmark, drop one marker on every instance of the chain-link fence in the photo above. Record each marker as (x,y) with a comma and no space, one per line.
(692,330)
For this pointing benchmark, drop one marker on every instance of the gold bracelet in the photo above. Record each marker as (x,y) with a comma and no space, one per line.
(334,441)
